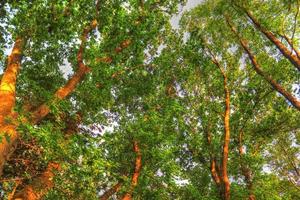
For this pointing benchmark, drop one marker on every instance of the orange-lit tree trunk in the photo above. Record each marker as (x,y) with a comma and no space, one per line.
(137,171)
(293,58)
(40,185)
(226,139)
(111,191)
(245,169)
(8,90)
(8,81)
(225,179)
(7,102)
(7,93)
(276,86)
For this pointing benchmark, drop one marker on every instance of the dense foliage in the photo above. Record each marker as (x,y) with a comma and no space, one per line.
(107,99)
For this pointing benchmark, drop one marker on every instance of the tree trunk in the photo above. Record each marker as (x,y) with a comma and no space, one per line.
(8,81)
(137,170)
(280,46)
(8,94)
(8,131)
(276,86)
(40,185)
(225,179)
(226,141)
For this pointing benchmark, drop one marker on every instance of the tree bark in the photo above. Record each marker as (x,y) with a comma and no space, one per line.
(8,81)
(276,86)
(137,171)
(8,131)
(40,185)
(280,46)
(111,191)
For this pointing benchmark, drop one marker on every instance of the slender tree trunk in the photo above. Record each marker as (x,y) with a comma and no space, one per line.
(226,141)
(276,86)
(111,191)
(280,46)
(8,131)
(137,171)
(40,185)
(225,179)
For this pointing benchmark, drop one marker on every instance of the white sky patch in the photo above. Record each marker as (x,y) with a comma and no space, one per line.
(181,182)
(186,36)
(189,5)
(66,69)
(267,169)
(126,6)
(159,173)
(98,37)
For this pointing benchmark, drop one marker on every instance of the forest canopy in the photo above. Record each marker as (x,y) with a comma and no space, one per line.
(113,100)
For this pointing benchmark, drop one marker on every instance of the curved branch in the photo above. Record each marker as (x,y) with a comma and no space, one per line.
(69,87)
(213,163)
(79,75)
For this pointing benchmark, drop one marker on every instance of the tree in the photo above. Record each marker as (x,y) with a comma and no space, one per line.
(106,100)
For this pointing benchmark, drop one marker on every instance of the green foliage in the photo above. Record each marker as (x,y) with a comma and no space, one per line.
(163,91)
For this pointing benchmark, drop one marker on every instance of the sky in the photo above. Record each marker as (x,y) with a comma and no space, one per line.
(189,5)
